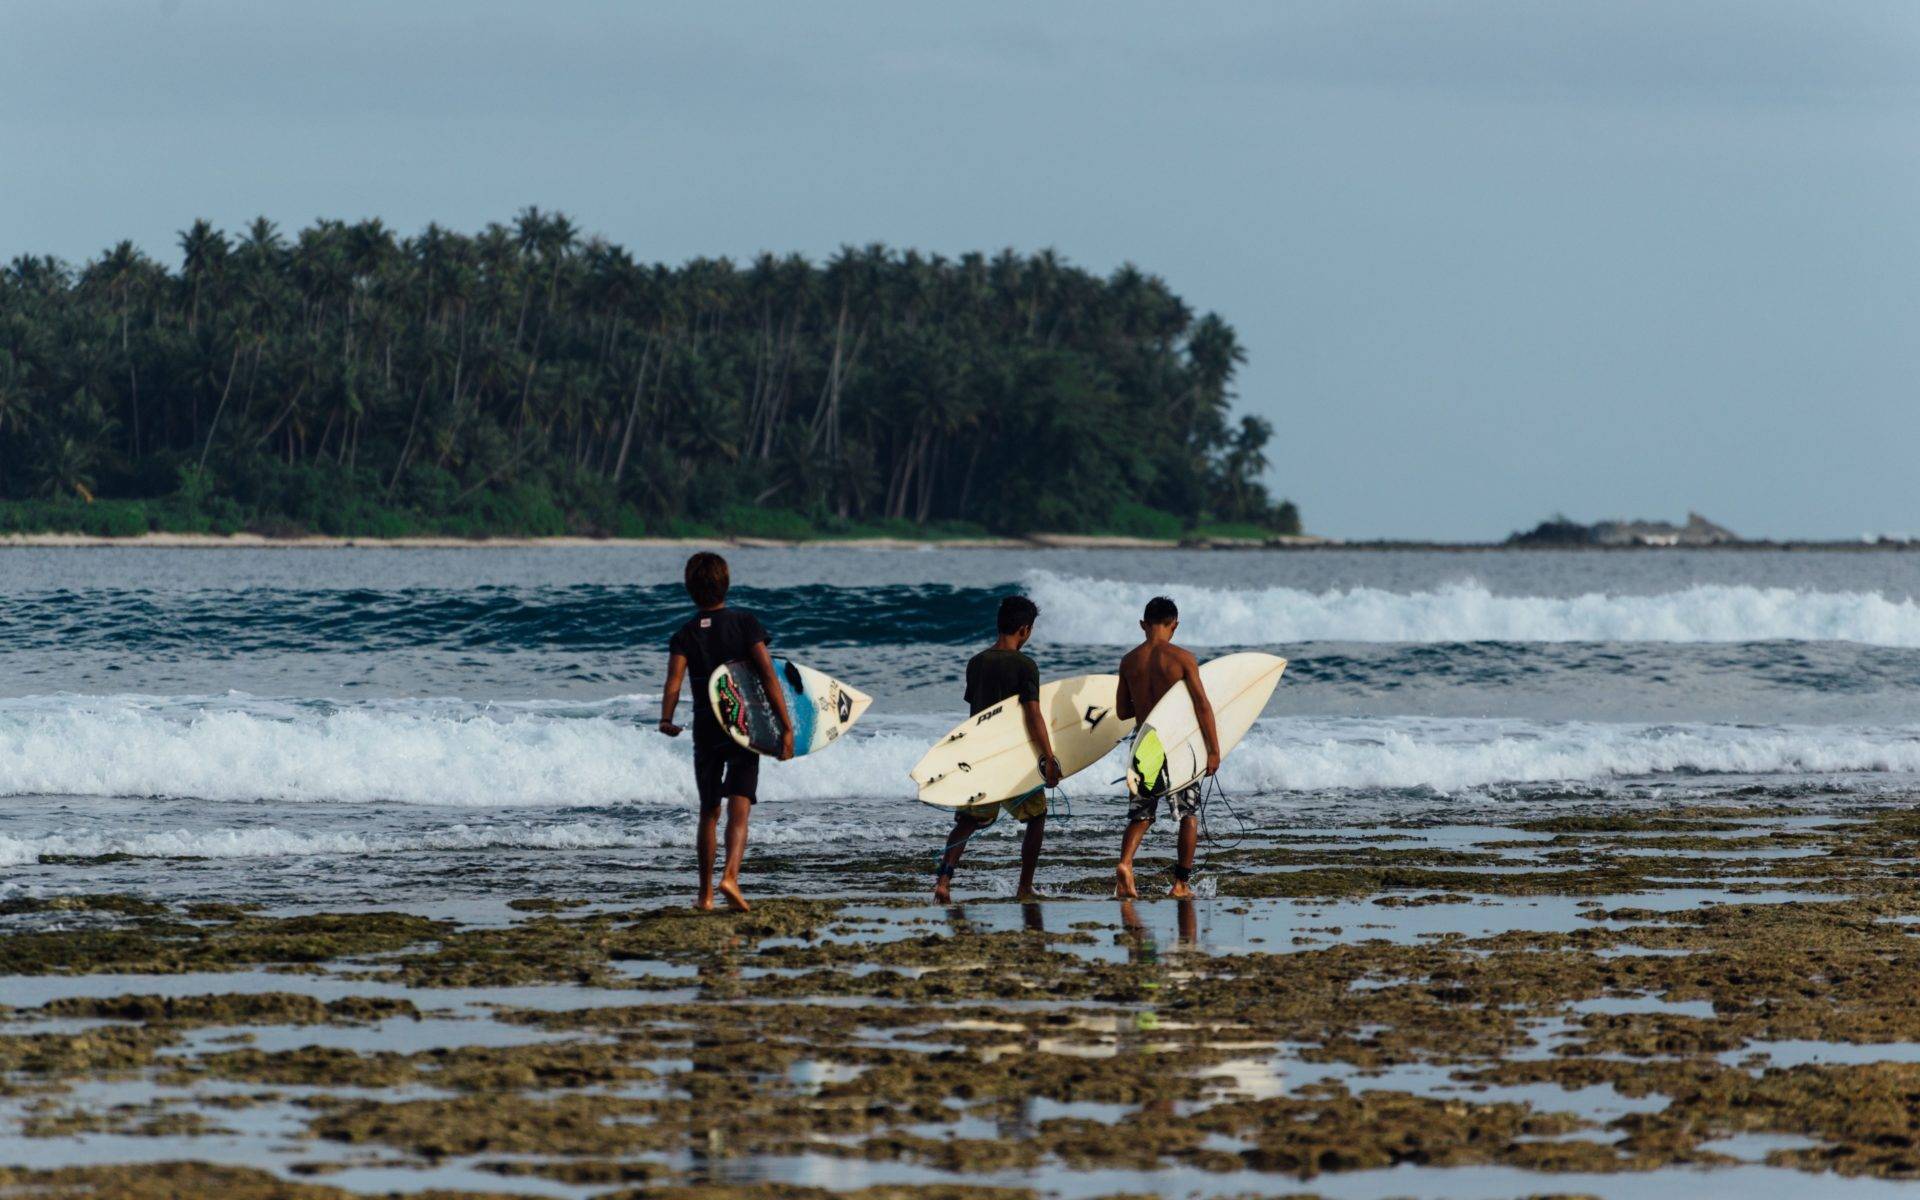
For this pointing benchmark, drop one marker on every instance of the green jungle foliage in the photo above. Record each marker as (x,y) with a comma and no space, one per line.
(527,380)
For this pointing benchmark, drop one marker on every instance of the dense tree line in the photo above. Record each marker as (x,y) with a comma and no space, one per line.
(526,378)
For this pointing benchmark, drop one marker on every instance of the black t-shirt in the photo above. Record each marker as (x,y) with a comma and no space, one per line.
(708,642)
(995,675)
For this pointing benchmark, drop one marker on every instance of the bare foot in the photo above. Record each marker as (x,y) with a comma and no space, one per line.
(1181,891)
(1123,886)
(704,903)
(942,892)
(730,888)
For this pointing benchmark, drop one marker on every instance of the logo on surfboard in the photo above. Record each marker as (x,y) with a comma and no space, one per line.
(733,704)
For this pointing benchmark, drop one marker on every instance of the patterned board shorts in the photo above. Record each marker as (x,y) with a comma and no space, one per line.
(1022,808)
(1180,805)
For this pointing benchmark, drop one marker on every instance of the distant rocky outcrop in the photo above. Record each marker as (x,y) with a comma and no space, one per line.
(1560,530)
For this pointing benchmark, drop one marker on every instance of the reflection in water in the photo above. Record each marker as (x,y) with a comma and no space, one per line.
(1033,916)
(1137,936)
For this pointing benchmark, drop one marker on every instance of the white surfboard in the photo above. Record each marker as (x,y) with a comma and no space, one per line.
(988,756)
(822,707)
(1238,686)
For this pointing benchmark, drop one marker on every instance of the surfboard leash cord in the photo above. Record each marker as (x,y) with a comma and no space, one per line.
(1211,841)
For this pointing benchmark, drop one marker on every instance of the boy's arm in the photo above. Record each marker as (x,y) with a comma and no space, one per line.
(670,700)
(1202,710)
(776,695)
(1123,698)
(1037,734)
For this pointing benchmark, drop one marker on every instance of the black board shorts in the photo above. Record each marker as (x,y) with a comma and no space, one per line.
(728,769)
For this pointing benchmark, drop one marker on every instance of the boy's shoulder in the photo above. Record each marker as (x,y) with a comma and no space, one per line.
(704,620)
(996,654)
(706,617)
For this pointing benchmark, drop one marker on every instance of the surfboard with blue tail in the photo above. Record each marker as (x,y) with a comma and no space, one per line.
(823,708)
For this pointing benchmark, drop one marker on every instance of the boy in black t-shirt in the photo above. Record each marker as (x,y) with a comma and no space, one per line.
(716,636)
(998,673)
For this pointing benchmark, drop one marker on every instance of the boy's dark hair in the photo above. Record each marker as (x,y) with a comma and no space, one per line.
(1161,610)
(707,578)
(1016,613)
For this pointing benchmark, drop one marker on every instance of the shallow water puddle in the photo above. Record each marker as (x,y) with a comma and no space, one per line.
(1799,1053)
(809,1075)
(397,1035)
(1451,1183)
(1754,1147)
(1617,1005)
(31,991)
(1287,1073)
(1640,952)
(462,1175)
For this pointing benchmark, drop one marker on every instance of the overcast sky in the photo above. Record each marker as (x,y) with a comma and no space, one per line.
(1490,260)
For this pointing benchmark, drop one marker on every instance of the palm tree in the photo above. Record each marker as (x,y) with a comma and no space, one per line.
(1242,465)
(203,252)
(440,366)
(16,403)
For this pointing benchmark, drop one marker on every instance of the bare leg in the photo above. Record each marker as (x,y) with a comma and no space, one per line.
(703,849)
(1189,840)
(964,827)
(738,809)
(1030,854)
(1123,885)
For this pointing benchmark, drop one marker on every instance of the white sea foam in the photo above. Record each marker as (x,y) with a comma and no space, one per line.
(275,842)
(122,746)
(1101,611)
(444,756)
(1460,755)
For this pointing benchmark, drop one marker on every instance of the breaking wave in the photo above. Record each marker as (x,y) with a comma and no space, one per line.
(453,754)
(1452,756)
(1105,611)
(444,753)
(589,618)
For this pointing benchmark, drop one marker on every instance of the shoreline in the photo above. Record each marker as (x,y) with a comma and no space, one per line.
(1033,541)
(256,541)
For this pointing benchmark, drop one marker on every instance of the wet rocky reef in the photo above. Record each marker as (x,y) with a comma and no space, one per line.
(1592,1004)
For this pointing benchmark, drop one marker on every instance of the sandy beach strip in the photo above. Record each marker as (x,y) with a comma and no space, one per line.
(256,541)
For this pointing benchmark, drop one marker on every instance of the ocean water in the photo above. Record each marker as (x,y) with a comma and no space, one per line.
(412,727)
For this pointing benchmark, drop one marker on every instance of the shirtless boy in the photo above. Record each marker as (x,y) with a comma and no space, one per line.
(1148,672)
